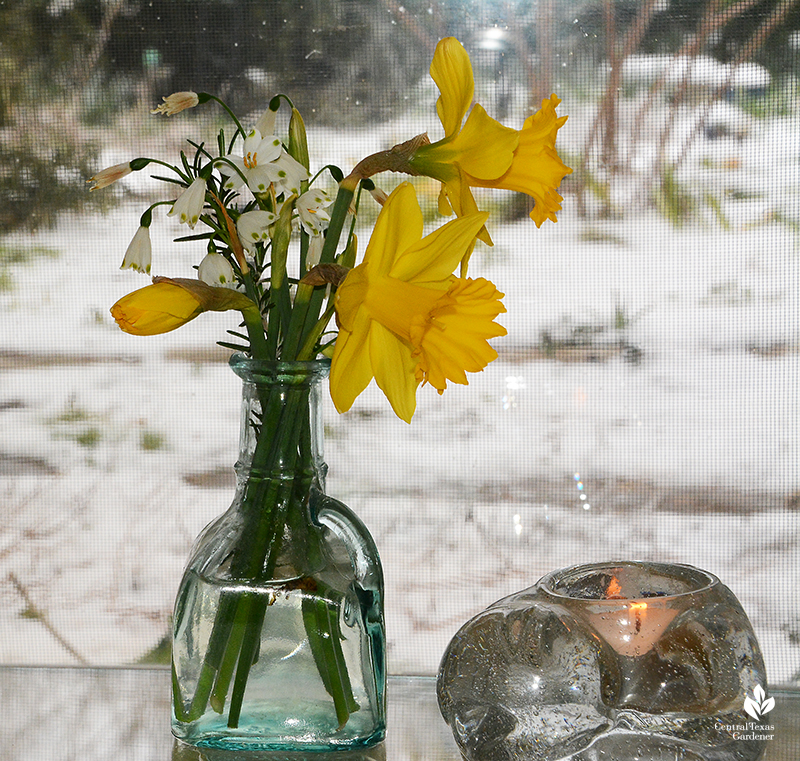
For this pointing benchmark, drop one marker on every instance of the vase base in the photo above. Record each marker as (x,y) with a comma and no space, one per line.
(300,746)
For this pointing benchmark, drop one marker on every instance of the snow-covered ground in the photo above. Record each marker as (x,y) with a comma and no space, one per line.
(682,446)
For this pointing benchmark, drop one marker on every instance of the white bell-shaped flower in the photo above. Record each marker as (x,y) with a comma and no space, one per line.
(253,165)
(253,226)
(139,253)
(311,208)
(189,205)
(215,269)
(287,174)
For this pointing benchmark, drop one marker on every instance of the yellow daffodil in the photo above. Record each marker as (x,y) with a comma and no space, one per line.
(169,303)
(484,153)
(536,169)
(404,319)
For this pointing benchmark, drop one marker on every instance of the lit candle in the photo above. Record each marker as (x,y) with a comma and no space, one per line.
(631,625)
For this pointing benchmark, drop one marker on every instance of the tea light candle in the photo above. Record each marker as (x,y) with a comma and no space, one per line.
(631,625)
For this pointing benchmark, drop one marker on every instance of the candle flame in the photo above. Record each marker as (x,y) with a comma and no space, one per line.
(614,589)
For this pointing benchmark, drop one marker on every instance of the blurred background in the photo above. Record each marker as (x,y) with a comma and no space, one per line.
(644,404)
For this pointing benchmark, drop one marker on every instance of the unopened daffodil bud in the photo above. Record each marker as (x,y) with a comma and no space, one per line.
(169,303)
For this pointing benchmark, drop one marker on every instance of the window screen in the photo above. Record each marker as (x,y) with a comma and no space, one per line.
(644,402)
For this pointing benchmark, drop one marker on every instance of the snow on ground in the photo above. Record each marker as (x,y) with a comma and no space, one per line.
(116,450)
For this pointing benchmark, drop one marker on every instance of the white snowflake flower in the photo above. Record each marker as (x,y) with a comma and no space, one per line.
(189,205)
(139,253)
(215,269)
(311,207)
(253,226)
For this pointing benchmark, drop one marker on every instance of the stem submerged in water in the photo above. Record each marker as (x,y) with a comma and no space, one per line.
(278,539)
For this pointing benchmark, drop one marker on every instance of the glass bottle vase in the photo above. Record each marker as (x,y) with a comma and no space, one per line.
(278,635)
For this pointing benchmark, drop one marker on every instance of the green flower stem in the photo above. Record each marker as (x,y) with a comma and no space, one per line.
(321,621)
(308,301)
(254,324)
(281,447)
(225,670)
(294,333)
(344,197)
(250,643)
(308,350)
(236,634)
(214,656)
(204,97)
(280,299)
(187,178)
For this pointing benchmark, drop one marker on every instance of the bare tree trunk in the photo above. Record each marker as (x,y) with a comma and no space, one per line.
(765,29)
(608,154)
(607,112)
(714,20)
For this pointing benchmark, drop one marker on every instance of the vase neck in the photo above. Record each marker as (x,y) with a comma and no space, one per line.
(281,433)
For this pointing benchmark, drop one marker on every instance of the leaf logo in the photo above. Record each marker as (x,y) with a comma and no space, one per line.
(759,704)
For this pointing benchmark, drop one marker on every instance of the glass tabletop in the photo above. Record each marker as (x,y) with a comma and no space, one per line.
(79,714)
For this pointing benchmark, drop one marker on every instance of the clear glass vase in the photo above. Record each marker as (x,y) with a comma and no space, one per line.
(278,638)
(626,661)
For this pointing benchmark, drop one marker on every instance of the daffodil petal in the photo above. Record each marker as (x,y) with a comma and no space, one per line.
(398,227)
(463,202)
(395,370)
(436,256)
(351,370)
(452,71)
(485,147)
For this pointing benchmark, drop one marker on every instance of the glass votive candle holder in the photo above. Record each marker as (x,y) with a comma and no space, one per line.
(622,661)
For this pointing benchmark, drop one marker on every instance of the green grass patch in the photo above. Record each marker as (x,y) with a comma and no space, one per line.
(152,441)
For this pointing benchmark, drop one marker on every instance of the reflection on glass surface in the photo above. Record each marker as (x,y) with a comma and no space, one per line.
(67,714)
